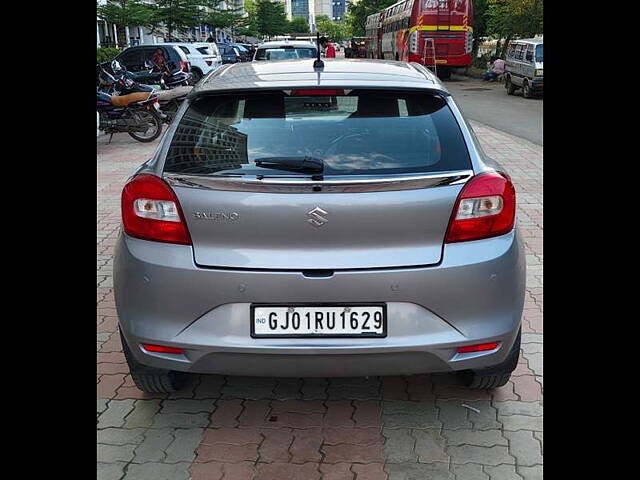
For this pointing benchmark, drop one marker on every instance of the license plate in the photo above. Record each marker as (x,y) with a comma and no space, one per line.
(318,321)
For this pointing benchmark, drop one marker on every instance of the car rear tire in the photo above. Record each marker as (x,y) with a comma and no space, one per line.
(494,377)
(149,379)
(195,76)
(511,88)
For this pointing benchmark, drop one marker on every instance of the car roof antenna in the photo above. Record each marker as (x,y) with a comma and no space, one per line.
(318,63)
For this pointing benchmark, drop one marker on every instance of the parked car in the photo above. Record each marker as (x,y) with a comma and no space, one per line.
(135,58)
(285,50)
(228,53)
(341,224)
(201,57)
(524,67)
(245,55)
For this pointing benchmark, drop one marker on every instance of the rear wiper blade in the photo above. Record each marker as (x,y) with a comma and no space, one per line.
(298,164)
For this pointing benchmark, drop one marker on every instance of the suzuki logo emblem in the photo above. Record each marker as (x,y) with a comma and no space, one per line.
(316,217)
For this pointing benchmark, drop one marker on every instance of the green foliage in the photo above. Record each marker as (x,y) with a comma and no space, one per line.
(125,12)
(299,25)
(107,54)
(268,18)
(335,32)
(357,14)
(513,18)
(178,15)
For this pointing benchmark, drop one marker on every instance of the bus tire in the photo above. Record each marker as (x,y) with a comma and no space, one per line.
(444,74)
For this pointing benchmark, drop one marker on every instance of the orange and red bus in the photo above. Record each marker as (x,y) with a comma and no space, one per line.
(430,32)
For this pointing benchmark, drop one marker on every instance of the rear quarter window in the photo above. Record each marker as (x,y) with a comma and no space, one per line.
(364,133)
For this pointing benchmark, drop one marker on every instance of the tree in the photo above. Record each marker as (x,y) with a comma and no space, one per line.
(513,19)
(125,13)
(334,31)
(357,14)
(269,18)
(299,25)
(479,24)
(178,15)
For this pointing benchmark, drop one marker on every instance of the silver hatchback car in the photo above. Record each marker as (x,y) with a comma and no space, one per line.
(336,221)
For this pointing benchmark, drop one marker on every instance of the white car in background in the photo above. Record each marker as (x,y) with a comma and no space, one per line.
(203,57)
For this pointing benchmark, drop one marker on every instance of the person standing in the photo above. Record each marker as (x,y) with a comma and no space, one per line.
(329,49)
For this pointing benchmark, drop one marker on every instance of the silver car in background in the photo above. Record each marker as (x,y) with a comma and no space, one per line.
(524,67)
(338,221)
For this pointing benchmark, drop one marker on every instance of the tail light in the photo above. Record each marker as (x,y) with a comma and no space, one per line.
(481,347)
(485,208)
(149,347)
(151,211)
(184,66)
(316,92)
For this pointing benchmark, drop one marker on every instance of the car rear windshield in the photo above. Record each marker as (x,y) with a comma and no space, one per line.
(284,53)
(362,133)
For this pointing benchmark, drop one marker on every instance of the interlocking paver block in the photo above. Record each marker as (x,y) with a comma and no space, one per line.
(227,453)
(369,471)
(206,471)
(180,420)
(339,413)
(226,413)
(231,436)
(289,471)
(418,471)
(275,447)
(357,436)
(115,413)
(336,471)
(153,447)
(400,445)
(481,438)
(452,414)
(158,471)
(115,453)
(469,471)
(530,473)
(111,471)
(525,448)
(407,414)
(187,406)
(142,414)
(430,445)
(484,455)
(184,446)
(502,472)
(121,436)
(306,446)
(353,453)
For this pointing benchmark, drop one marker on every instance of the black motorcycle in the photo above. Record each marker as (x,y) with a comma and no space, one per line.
(168,100)
(134,114)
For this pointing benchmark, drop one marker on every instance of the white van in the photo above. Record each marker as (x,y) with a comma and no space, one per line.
(523,67)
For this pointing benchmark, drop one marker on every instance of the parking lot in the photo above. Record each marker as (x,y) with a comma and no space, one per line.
(236,428)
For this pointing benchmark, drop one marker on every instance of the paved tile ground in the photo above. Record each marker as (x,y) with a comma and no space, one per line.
(237,428)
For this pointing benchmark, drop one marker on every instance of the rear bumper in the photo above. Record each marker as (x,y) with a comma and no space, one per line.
(474,295)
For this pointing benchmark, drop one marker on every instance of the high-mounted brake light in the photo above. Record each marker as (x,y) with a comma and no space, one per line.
(481,347)
(316,92)
(486,207)
(151,211)
(161,348)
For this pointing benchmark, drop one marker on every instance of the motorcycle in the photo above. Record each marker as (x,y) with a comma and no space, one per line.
(133,114)
(153,76)
(168,100)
